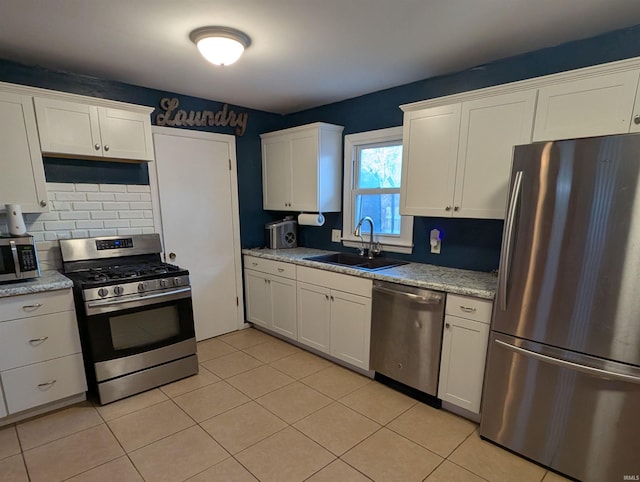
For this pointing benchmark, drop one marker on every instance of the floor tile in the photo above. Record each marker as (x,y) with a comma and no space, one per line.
(378,402)
(232,364)
(203,378)
(260,381)
(130,404)
(227,471)
(493,463)
(210,401)
(337,428)
(179,456)
(55,425)
(213,348)
(9,444)
(335,381)
(243,426)
(553,477)
(271,351)
(72,455)
(120,470)
(294,402)
(438,430)
(386,456)
(448,472)
(245,338)
(285,456)
(338,471)
(140,428)
(300,364)
(12,469)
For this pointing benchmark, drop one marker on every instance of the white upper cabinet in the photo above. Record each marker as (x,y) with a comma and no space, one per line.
(591,106)
(301,168)
(22,179)
(77,129)
(457,158)
(635,118)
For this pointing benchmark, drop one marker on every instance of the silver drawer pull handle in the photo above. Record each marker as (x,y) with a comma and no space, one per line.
(467,309)
(280,270)
(32,307)
(46,384)
(38,340)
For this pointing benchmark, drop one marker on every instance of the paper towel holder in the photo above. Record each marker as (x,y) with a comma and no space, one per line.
(310,219)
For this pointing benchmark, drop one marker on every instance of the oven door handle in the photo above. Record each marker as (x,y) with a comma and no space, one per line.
(97,304)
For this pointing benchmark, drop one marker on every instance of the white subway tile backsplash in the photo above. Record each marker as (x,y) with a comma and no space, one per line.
(129,231)
(50,216)
(101,196)
(104,215)
(60,186)
(59,225)
(140,205)
(115,206)
(60,206)
(80,233)
(131,214)
(138,188)
(87,206)
(89,224)
(113,187)
(50,235)
(102,232)
(71,196)
(148,230)
(87,187)
(128,197)
(117,223)
(148,214)
(139,223)
(145,197)
(67,215)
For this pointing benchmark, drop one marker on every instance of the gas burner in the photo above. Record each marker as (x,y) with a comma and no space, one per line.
(97,277)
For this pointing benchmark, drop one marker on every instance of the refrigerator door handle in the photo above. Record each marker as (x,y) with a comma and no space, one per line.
(597,372)
(507,241)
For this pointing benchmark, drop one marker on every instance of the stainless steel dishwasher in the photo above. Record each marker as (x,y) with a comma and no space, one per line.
(406,334)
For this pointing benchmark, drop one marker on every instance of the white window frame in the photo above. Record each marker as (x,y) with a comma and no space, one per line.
(395,244)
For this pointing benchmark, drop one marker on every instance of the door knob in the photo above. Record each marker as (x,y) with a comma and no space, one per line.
(447,208)
(172,255)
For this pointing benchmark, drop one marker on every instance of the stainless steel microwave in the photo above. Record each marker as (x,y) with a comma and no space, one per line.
(18,258)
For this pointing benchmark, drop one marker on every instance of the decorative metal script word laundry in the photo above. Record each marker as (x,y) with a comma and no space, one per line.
(175,117)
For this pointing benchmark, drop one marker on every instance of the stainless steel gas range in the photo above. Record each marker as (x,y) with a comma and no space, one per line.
(134,314)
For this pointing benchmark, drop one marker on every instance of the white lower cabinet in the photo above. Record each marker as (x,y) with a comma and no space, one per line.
(334,314)
(464,350)
(271,299)
(40,353)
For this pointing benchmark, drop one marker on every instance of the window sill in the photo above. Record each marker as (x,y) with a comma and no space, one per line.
(386,247)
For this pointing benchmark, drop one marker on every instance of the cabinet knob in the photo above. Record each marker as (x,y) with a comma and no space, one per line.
(636,119)
(97,147)
(43,203)
(447,325)
(172,255)
(447,208)
(106,148)
(456,208)
(46,384)
(326,297)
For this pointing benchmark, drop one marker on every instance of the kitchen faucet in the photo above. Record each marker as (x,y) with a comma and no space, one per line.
(357,233)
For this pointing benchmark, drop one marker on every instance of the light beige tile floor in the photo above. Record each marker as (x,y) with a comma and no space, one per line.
(260,409)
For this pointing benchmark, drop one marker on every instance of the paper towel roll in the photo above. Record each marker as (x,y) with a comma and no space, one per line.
(311,219)
(15,220)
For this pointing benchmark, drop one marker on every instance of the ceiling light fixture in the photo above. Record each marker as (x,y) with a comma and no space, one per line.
(220,45)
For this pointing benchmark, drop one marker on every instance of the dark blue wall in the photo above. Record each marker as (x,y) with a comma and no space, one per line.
(470,244)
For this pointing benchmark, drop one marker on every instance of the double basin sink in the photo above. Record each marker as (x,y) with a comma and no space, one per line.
(356,261)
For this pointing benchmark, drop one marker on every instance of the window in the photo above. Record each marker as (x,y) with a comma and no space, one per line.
(372,176)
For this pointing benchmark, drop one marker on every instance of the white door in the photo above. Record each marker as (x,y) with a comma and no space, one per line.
(198,200)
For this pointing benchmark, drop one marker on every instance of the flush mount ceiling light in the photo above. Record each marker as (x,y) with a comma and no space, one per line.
(220,45)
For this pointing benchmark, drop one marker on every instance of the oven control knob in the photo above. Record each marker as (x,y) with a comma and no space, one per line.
(177,281)
(140,287)
(118,290)
(164,283)
(102,292)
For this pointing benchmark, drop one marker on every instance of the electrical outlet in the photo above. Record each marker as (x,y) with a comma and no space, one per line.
(435,241)
(336,235)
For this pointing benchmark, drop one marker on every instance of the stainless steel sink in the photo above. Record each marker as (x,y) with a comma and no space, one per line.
(356,261)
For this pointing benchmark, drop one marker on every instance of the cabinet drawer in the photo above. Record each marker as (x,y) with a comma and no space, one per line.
(23,306)
(469,307)
(335,281)
(269,266)
(39,338)
(45,382)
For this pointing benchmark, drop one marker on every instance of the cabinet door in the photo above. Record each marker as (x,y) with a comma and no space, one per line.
(635,118)
(350,328)
(283,307)
(276,174)
(430,149)
(22,180)
(125,135)
(3,408)
(314,312)
(258,298)
(464,348)
(593,106)
(68,128)
(304,171)
(489,129)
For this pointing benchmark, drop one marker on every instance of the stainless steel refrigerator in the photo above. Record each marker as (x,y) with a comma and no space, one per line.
(562,383)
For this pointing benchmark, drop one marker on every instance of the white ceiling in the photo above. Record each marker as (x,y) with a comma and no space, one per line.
(304,53)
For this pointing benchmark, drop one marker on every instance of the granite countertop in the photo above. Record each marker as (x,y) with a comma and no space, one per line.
(450,280)
(48,281)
